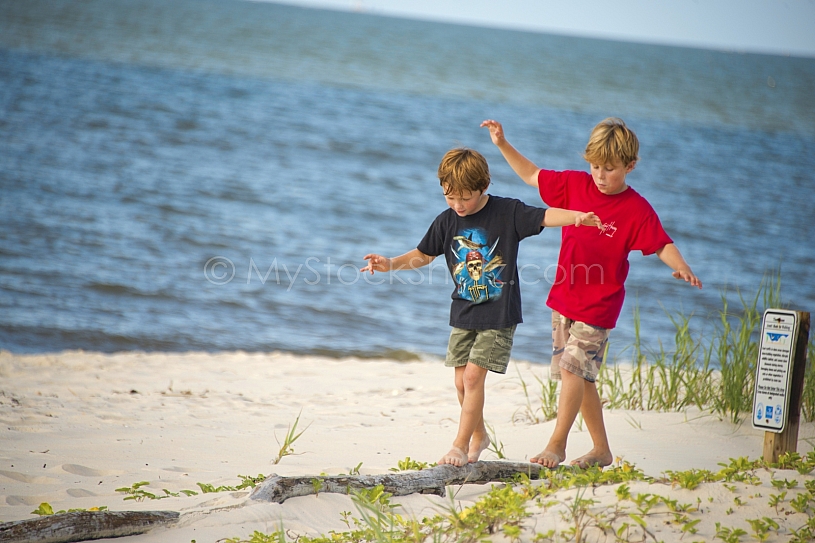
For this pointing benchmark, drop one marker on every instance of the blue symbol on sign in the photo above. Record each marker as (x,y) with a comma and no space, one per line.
(768,414)
(777,414)
(759,411)
(775,337)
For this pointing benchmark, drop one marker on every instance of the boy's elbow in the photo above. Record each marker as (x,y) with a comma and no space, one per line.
(532,179)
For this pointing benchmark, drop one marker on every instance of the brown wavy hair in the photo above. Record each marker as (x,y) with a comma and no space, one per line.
(610,141)
(463,170)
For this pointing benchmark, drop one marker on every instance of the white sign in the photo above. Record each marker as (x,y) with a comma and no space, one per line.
(779,330)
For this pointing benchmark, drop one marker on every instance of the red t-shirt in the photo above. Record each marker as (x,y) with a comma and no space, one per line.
(593,263)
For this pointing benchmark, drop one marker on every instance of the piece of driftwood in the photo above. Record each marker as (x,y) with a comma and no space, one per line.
(427,481)
(84,525)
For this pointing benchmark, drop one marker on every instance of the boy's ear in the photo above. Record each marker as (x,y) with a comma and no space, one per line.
(631,166)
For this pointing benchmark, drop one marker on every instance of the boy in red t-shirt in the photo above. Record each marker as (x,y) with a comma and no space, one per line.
(588,292)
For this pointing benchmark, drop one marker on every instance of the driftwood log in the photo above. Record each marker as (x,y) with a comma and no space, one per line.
(84,525)
(427,481)
(88,525)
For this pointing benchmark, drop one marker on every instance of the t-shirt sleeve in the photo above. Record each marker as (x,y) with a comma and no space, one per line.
(432,243)
(552,187)
(651,236)
(528,220)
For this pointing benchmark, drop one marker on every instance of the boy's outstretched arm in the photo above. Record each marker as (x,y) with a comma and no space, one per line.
(525,168)
(671,256)
(556,216)
(408,261)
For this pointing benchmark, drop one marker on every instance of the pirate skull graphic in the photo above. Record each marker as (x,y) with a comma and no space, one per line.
(475,265)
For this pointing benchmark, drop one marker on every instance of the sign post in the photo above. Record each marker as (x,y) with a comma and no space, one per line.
(779,380)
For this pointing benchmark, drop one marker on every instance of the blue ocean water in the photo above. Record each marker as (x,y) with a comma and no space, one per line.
(207,174)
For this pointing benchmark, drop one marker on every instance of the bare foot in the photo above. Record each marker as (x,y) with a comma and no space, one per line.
(549,459)
(456,457)
(594,458)
(477,448)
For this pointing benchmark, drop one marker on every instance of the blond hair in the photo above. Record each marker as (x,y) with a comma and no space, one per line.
(463,170)
(612,141)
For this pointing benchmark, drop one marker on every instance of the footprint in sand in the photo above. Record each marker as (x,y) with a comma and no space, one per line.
(178,469)
(85,471)
(79,493)
(32,500)
(31,479)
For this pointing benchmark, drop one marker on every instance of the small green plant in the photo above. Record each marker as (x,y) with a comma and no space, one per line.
(317,484)
(806,533)
(135,492)
(781,484)
(761,527)
(801,502)
(548,398)
(579,516)
(409,464)
(728,535)
(45,510)
(207,488)
(690,479)
(496,446)
(247,481)
(777,499)
(287,449)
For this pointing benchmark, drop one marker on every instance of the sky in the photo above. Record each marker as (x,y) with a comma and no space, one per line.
(779,27)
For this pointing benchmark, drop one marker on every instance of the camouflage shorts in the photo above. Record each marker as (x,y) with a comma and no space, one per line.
(577,347)
(488,349)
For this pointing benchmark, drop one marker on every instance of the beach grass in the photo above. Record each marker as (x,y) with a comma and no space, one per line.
(714,373)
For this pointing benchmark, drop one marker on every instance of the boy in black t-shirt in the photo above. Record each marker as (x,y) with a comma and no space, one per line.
(479,238)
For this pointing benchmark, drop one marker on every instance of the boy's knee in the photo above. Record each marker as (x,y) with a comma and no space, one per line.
(474,376)
(460,385)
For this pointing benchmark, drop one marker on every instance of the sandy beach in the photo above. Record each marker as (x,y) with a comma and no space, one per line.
(75,426)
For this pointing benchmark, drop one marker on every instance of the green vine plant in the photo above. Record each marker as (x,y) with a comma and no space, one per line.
(137,493)
(502,510)
(45,510)
(408,464)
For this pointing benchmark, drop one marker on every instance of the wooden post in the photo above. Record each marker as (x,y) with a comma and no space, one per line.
(776,444)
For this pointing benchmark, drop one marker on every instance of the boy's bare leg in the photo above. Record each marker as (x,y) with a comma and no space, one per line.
(479,442)
(592,410)
(471,378)
(572,389)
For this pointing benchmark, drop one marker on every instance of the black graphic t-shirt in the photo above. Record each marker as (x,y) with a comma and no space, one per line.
(481,252)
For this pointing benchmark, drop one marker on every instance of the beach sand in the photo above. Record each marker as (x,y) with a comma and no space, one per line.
(75,426)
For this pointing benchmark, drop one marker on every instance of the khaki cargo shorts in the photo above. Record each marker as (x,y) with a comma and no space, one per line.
(488,349)
(577,347)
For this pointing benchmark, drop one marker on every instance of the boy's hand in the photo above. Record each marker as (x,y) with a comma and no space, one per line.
(671,256)
(688,276)
(376,263)
(588,219)
(496,131)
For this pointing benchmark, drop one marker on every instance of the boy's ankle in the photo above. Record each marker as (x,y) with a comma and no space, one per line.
(465,447)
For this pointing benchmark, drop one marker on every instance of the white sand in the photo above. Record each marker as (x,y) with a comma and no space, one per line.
(75,426)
